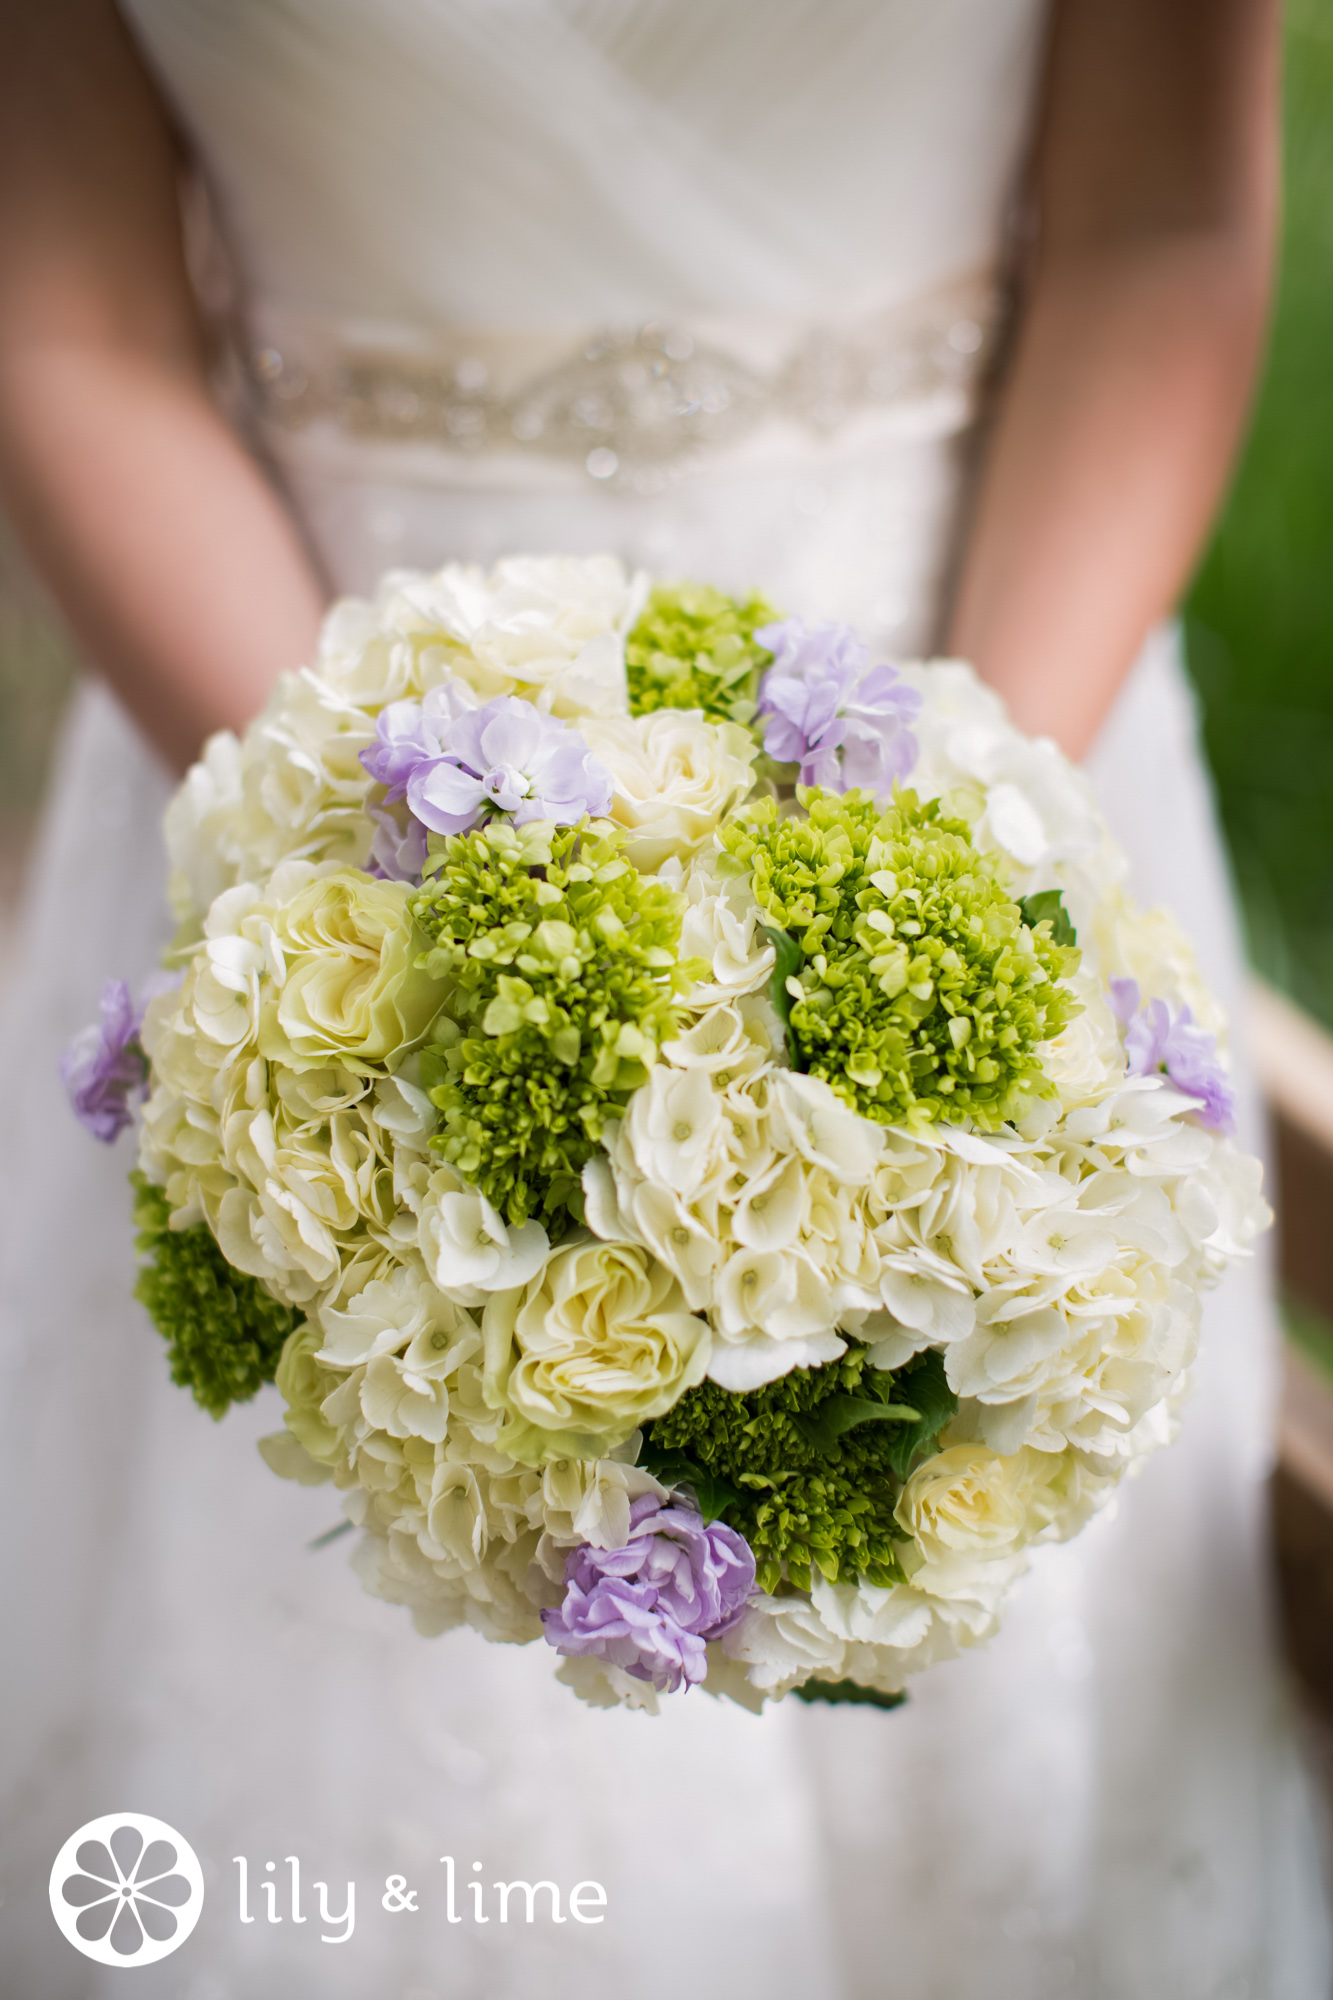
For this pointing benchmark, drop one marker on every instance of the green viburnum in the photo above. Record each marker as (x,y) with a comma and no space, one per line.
(809,1467)
(695,648)
(224,1333)
(920,993)
(561,965)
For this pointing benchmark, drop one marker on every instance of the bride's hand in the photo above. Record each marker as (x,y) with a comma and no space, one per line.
(175,563)
(1155,181)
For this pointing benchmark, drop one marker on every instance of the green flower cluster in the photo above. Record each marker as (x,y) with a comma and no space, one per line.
(695,648)
(809,1467)
(918,992)
(224,1333)
(562,964)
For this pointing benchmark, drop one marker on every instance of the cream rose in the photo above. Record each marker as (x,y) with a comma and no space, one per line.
(675,777)
(582,1355)
(1085,1060)
(343,985)
(964,1506)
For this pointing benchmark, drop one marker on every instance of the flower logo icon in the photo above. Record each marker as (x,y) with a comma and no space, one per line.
(126,1889)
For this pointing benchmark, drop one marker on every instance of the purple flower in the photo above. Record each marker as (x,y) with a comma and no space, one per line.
(652,1606)
(105,1063)
(1159,1042)
(828,710)
(396,854)
(411,733)
(454,764)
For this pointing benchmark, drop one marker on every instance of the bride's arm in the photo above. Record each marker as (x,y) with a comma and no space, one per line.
(169,553)
(1156,189)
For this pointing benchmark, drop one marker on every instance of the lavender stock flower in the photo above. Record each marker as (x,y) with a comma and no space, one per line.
(842,721)
(652,1606)
(397,854)
(454,763)
(105,1063)
(1160,1042)
(411,733)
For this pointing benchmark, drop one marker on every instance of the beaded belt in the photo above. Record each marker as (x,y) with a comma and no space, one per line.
(633,405)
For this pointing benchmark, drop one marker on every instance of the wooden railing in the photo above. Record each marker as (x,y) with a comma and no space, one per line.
(1294,1058)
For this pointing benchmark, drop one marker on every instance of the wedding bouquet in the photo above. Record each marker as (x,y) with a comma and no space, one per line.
(689,1117)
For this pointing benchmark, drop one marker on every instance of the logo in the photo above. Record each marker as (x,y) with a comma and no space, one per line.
(126,1889)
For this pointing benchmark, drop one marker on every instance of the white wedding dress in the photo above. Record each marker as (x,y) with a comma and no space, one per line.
(711,283)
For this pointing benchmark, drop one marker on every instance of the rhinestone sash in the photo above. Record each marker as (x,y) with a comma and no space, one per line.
(635,406)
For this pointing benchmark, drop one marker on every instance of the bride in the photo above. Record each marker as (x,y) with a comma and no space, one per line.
(939,317)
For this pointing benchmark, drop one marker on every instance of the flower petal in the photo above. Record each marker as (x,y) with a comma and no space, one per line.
(96,1921)
(94,1859)
(80,1890)
(445,798)
(127,1846)
(159,1923)
(126,1934)
(158,1858)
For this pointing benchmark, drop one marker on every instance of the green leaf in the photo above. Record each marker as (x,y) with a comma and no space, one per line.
(1048,907)
(924,1380)
(850,1691)
(787,963)
(713,1493)
(825,1425)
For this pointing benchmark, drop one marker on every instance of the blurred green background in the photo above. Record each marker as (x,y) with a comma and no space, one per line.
(36,670)
(1259,618)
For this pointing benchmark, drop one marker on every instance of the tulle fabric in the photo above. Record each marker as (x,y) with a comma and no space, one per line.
(1106,1802)
(565,164)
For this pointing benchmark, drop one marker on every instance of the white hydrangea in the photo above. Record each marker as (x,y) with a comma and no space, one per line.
(549,628)
(744,1180)
(386,1395)
(1031,802)
(293,787)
